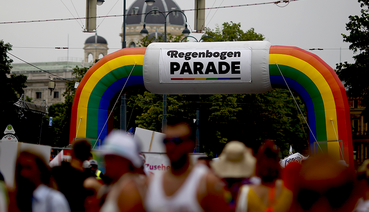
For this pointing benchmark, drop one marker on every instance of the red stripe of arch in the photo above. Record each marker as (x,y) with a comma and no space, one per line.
(102,61)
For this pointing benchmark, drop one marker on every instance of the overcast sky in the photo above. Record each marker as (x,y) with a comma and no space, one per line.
(303,23)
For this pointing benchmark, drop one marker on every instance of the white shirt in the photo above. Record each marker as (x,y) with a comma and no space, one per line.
(362,205)
(46,199)
(184,199)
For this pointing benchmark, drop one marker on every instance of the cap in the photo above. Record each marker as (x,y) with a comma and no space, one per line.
(93,162)
(86,164)
(120,144)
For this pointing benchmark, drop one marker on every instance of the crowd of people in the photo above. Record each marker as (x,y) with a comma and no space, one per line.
(239,180)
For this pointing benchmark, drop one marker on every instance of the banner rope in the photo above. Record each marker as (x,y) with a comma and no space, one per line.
(116,101)
(298,107)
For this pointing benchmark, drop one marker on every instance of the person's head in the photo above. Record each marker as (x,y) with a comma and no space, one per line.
(121,154)
(326,185)
(31,170)
(267,162)
(81,150)
(235,161)
(178,141)
(93,165)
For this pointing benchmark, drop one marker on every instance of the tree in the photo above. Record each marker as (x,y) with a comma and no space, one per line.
(61,112)
(232,32)
(145,41)
(354,75)
(11,86)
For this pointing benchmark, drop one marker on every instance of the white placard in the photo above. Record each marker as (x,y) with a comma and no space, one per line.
(297,157)
(150,141)
(205,65)
(9,137)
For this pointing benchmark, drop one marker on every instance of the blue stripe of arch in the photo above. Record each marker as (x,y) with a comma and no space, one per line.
(106,98)
(278,80)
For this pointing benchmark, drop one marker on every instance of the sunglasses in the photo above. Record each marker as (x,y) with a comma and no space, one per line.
(173,140)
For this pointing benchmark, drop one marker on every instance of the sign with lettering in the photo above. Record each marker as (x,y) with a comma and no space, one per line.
(205,65)
(297,157)
(9,129)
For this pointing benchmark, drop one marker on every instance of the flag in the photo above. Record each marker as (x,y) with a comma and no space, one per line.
(131,131)
(290,153)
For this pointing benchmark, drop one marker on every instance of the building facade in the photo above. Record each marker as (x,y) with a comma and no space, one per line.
(57,73)
(360,134)
(38,81)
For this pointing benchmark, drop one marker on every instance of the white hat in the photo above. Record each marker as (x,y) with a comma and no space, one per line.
(86,164)
(120,144)
(235,161)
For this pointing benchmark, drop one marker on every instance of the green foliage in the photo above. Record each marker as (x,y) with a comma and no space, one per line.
(355,75)
(61,112)
(145,41)
(232,32)
(11,85)
(25,123)
(28,99)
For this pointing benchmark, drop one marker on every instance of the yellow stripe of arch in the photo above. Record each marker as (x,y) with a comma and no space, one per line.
(320,82)
(93,81)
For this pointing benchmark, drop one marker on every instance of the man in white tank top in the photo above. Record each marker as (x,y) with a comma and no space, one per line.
(185,187)
(126,191)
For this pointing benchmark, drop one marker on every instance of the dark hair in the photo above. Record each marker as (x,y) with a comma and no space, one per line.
(81,149)
(24,187)
(267,164)
(172,121)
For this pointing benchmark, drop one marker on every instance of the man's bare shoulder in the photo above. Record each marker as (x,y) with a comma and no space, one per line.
(213,180)
(213,197)
(131,195)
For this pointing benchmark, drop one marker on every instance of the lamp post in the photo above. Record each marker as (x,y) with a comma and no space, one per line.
(124,25)
(197,148)
(123,105)
(200,38)
(144,32)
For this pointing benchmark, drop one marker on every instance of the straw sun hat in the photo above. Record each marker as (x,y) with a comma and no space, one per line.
(235,161)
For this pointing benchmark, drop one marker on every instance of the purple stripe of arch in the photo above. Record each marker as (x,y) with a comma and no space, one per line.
(278,80)
(106,98)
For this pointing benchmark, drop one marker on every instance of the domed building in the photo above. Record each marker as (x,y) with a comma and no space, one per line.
(96,47)
(154,21)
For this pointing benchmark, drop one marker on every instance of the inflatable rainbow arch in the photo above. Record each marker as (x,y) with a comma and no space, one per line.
(308,75)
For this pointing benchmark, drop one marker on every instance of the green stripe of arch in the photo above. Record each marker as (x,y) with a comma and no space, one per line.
(314,93)
(99,90)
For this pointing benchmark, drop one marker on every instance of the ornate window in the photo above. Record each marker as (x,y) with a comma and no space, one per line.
(175,13)
(38,95)
(132,45)
(155,11)
(135,10)
(56,94)
(90,58)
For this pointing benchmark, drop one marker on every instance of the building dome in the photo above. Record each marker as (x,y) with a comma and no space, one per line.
(165,6)
(96,47)
(96,39)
